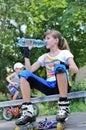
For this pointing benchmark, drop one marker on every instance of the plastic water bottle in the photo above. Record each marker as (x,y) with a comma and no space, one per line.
(25,42)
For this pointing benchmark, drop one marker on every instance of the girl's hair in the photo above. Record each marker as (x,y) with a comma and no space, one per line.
(63,45)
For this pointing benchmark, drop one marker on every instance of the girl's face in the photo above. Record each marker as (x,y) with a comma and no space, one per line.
(51,41)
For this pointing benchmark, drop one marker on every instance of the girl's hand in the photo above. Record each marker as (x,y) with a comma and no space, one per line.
(56,62)
(31,45)
(60,62)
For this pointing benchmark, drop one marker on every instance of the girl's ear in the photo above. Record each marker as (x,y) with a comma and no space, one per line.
(57,40)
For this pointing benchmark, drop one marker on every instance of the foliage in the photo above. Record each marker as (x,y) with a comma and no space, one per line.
(78,86)
(78,106)
(67,16)
(52,108)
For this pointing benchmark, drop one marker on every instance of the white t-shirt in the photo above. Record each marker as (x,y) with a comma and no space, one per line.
(48,61)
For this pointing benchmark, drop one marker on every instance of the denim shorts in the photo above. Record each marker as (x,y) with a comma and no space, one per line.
(13,90)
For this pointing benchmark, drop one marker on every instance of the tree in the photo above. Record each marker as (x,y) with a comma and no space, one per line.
(30,18)
(74,23)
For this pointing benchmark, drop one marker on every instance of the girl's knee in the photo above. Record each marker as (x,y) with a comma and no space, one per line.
(25,74)
(59,69)
(22,79)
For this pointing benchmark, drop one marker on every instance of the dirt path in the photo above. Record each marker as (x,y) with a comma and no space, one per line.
(77,121)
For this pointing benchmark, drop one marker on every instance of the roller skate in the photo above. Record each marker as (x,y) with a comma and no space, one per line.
(29,113)
(63,113)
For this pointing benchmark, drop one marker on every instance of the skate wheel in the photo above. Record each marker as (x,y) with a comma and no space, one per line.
(17,128)
(20,128)
(59,126)
(35,128)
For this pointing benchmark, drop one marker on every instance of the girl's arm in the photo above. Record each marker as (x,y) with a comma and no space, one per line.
(28,66)
(72,66)
(33,67)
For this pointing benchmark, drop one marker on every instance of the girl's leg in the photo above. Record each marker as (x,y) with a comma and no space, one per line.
(27,107)
(62,84)
(25,89)
(63,103)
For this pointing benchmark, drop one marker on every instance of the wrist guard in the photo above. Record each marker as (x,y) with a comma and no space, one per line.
(26,52)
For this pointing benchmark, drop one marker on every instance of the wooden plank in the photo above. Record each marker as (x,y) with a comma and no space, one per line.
(72,95)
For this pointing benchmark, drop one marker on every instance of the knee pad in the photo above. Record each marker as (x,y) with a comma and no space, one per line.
(59,69)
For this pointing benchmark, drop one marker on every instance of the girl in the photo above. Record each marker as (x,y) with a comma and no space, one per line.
(57,62)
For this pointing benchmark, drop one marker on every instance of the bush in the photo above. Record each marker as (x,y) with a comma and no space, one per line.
(78,86)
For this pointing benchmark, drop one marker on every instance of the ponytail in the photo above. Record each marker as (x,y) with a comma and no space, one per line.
(62,44)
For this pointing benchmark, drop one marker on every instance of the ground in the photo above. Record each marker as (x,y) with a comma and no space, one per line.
(76,121)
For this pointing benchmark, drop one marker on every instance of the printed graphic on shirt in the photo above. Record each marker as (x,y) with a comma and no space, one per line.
(49,64)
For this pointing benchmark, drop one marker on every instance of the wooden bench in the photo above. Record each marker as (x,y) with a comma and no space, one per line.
(72,95)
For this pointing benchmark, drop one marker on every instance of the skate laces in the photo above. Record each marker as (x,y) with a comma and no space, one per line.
(63,107)
(63,110)
(27,110)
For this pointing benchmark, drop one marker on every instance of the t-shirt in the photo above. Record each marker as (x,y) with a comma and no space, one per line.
(49,62)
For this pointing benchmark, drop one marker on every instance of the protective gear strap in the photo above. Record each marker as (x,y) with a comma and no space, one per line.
(66,65)
(60,68)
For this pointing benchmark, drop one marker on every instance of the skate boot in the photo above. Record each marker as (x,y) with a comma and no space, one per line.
(63,111)
(27,114)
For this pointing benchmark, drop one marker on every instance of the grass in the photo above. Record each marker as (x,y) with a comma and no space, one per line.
(0,114)
(78,106)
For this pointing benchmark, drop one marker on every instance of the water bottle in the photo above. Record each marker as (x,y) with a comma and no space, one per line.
(25,42)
